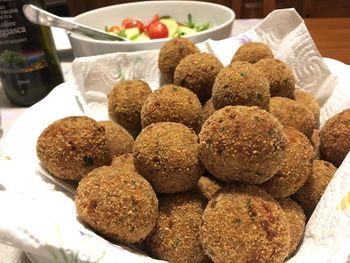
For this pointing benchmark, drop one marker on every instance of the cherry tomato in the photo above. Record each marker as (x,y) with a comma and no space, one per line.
(154,19)
(114,29)
(132,22)
(158,30)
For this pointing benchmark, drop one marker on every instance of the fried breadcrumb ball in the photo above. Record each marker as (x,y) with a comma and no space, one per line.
(172,103)
(124,161)
(296,166)
(291,113)
(197,73)
(315,141)
(208,185)
(125,101)
(309,102)
(166,154)
(296,218)
(207,110)
(120,140)
(245,224)
(239,64)
(71,147)
(240,143)
(119,204)
(252,52)
(311,192)
(335,138)
(171,54)
(279,75)
(241,84)
(175,237)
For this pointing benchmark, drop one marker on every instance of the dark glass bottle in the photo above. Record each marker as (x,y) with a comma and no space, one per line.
(29,66)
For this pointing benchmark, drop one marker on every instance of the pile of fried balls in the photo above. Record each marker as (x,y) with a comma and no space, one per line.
(221,163)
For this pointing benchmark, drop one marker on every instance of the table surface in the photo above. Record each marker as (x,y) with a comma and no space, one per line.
(331,36)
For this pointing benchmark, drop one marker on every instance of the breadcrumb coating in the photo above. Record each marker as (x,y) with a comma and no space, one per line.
(296,166)
(166,154)
(125,101)
(280,76)
(291,113)
(118,204)
(335,138)
(309,102)
(120,140)
(240,143)
(197,73)
(124,161)
(208,185)
(316,141)
(241,84)
(175,237)
(296,219)
(71,147)
(171,54)
(311,192)
(172,103)
(245,224)
(207,110)
(252,52)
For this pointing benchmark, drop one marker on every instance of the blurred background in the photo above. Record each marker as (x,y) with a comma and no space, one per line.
(242,8)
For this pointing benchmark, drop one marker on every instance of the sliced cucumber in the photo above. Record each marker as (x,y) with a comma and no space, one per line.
(132,33)
(171,24)
(142,37)
(185,30)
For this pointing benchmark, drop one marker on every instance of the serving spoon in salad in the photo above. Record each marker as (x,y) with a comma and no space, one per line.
(39,16)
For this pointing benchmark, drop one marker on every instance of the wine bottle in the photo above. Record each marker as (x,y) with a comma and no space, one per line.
(29,65)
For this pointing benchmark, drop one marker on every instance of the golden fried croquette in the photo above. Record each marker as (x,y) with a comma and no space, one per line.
(296,166)
(291,113)
(296,218)
(175,237)
(241,84)
(71,147)
(279,75)
(252,52)
(120,140)
(245,224)
(119,204)
(207,110)
(197,73)
(335,138)
(315,141)
(171,54)
(125,101)
(239,64)
(172,103)
(166,154)
(208,185)
(311,192)
(124,161)
(240,143)
(309,102)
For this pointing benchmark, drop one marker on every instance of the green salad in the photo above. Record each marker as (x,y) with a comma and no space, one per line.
(158,27)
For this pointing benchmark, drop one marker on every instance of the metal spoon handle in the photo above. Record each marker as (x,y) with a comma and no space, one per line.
(39,16)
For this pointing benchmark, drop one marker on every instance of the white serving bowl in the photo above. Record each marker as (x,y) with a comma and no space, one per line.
(219,16)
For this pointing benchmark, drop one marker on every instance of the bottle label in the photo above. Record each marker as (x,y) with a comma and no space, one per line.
(29,69)
(20,52)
